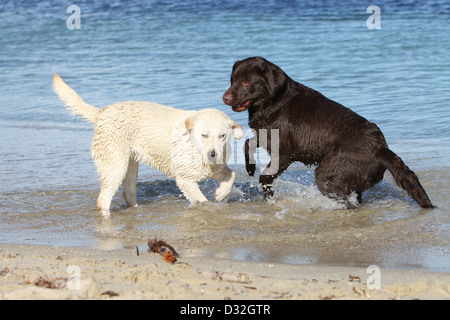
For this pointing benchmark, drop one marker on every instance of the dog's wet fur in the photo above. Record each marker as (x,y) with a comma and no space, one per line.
(350,152)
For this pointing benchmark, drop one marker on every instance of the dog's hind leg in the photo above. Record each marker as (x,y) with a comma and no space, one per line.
(112,173)
(341,177)
(333,177)
(129,184)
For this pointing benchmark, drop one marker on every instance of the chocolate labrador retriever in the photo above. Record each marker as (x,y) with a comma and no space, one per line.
(350,152)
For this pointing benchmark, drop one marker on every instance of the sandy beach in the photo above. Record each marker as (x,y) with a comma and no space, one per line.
(44,272)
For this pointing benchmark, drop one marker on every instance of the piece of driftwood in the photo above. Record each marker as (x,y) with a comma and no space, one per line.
(166,250)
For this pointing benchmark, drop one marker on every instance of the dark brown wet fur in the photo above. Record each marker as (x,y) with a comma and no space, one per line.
(350,152)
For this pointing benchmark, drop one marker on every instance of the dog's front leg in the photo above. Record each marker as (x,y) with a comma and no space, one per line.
(226,177)
(272,171)
(249,151)
(191,190)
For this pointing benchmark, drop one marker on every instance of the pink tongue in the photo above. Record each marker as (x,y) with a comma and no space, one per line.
(246,103)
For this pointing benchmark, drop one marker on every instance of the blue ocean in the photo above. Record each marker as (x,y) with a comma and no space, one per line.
(386,60)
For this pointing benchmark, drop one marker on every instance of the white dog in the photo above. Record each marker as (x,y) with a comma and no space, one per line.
(188,146)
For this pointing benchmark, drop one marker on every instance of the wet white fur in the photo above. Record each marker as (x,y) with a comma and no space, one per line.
(178,142)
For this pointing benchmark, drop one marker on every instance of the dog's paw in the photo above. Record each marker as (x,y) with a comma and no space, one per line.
(268,192)
(222,192)
(251,168)
(105,213)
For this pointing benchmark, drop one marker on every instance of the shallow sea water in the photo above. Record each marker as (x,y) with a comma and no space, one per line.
(181,55)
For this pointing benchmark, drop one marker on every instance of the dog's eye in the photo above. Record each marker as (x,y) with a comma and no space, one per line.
(205,136)
(222,136)
(246,83)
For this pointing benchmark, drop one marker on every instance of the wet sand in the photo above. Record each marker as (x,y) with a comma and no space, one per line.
(45,272)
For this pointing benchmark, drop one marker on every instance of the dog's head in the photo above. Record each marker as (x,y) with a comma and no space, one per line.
(255,82)
(211,131)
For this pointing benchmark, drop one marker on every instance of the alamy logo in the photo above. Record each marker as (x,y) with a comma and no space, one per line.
(74,281)
(74,21)
(374,280)
(374,21)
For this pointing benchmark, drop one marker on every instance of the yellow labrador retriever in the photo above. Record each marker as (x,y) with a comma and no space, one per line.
(188,146)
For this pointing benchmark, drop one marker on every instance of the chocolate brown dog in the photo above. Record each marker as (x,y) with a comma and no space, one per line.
(350,152)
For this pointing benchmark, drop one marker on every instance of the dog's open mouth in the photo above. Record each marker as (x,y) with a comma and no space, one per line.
(241,107)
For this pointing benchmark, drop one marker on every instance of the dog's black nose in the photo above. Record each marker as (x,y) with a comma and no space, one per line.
(213,153)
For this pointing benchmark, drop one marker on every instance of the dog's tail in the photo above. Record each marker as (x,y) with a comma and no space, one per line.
(404,177)
(73,101)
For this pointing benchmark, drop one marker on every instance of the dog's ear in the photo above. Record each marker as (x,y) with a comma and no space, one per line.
(234,68)
(275,78)
(238,132)
(189,124)
(235,65)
